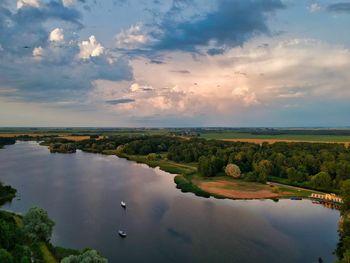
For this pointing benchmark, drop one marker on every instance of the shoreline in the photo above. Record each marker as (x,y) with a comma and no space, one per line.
(192,182)
(188,180)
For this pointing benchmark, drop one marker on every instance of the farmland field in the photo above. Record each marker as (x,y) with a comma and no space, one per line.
(236,136)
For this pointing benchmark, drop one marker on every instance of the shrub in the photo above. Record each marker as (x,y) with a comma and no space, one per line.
(233,170)
(37,224)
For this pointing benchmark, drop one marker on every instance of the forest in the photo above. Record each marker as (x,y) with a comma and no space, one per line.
(321,166)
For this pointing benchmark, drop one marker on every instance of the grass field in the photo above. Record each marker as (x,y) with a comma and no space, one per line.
(234,135)
(227,187)
(11,132)
(273,138)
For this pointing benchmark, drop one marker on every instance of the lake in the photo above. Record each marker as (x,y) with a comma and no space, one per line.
(82,194)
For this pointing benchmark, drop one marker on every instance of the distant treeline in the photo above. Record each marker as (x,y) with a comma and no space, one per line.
(192,131)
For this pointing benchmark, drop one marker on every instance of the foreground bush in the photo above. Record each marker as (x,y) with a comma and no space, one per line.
(89,256)
(37,224)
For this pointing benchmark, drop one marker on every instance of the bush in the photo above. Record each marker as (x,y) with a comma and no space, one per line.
(187,186)
(62,148)
(153,157)
(37,224)
(5,256)
(250,177)
(321,180)
(89,256)
(233,170)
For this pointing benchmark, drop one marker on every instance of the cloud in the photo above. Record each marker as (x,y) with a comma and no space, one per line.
(230,24)
(38,53)
(119,101)
(133,37)
(215,51)
(295,94)
(314,8)
(68,3)
(135,87)
(154,61)
(339,7)
(56,35)
(181,71)
(23,3)
(246,95)
(27,26)
(41,70)
(247,81)
(90,48)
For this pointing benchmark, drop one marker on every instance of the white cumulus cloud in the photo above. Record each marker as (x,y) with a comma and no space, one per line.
(246,95)
(133,37)
(56,35)
(22,3)
(314,8)
(90,48)
(68,3)
(38,53)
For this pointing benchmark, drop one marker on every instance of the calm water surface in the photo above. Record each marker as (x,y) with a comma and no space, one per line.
(82,193)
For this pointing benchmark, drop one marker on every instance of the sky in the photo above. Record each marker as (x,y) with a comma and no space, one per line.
(175,63)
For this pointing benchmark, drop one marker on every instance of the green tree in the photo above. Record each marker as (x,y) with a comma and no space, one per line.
(89,256)
(5,256)
(210,166)
(295,175)
(153,157)
(263,169)
(21,254)
(7,234)
(233,170)
(321,180)
(37,224)
(345,194)
(204,166)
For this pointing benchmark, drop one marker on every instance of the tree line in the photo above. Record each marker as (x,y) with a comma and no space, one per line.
(322,166)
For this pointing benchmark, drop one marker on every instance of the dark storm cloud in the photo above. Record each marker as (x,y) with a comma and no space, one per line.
(119,101)
(343,7)
(231,24)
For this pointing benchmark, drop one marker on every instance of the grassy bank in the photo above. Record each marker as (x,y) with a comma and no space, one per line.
(184,172)
(188,180)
